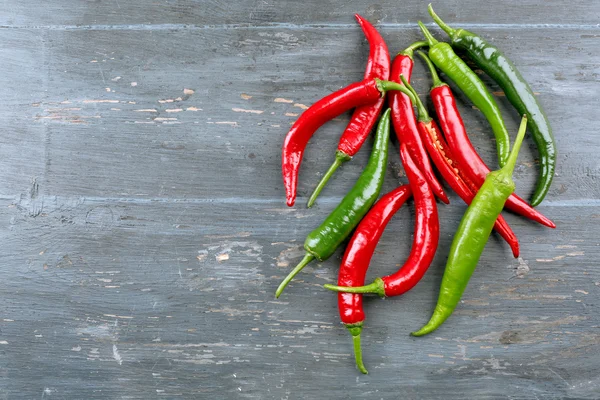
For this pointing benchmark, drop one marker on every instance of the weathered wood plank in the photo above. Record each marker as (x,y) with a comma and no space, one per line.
(260,12)
(144,230)
(131,300)
(22,143)
(176,104)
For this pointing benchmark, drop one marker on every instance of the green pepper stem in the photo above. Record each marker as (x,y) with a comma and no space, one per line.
(386,86)
(355,330)
(376,287)
(422,114)
(430,39)
(450,31)
(307,258)
(340,158)
(509,167)
(437,82)
(409,51)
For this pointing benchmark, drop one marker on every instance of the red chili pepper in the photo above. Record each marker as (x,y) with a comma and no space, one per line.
(451,171)
(364,92)
(425,239)
(329,107)
(403,119)
(464,152)
(357,258)
(364,117)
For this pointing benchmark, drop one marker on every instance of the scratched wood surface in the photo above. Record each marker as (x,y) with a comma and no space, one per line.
(144,229)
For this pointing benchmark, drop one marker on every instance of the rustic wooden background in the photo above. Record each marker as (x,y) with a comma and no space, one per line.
(144,228)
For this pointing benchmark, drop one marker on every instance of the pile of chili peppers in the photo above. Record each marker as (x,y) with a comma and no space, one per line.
(423,146)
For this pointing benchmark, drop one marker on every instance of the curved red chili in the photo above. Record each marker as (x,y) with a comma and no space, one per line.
(329,107)
(364,117)
(425,239)
(403,119)
(464,152)
(359,93)
(357,258)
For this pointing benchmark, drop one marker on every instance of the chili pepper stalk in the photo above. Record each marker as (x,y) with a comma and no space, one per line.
(323,241)
(472,236)
(518,92)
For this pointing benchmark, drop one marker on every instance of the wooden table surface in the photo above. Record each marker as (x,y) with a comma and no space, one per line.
(144,228)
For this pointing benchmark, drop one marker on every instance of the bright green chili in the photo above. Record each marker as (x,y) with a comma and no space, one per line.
(517,91)
(472,235)
(323,241)
(455,68)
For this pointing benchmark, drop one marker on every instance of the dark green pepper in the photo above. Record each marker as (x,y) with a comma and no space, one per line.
(455,68)
(517,91)
(472,235)
(323,241)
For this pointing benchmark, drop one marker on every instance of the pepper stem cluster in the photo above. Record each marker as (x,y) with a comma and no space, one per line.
(437,82)
(386,86)
(422,114)
(409,51)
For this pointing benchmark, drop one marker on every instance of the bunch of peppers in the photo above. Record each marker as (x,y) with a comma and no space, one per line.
(422,143)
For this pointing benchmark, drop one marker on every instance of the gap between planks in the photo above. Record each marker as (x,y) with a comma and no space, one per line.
(190,27)
(240,200)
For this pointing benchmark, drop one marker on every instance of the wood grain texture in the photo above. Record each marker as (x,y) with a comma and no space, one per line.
(144,226)
(144,13)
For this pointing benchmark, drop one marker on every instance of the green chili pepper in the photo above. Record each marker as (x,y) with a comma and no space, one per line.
(455,68)
(517,91)
(323,241)
(472,235)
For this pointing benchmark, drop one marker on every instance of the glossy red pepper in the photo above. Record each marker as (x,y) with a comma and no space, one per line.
(366,91)
(463,151)
(329,107)
(403,120)
(364,117)
(357,258)
(425,239)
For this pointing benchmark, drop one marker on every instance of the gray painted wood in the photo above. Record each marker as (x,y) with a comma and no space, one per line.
(55,13)
(144,228)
